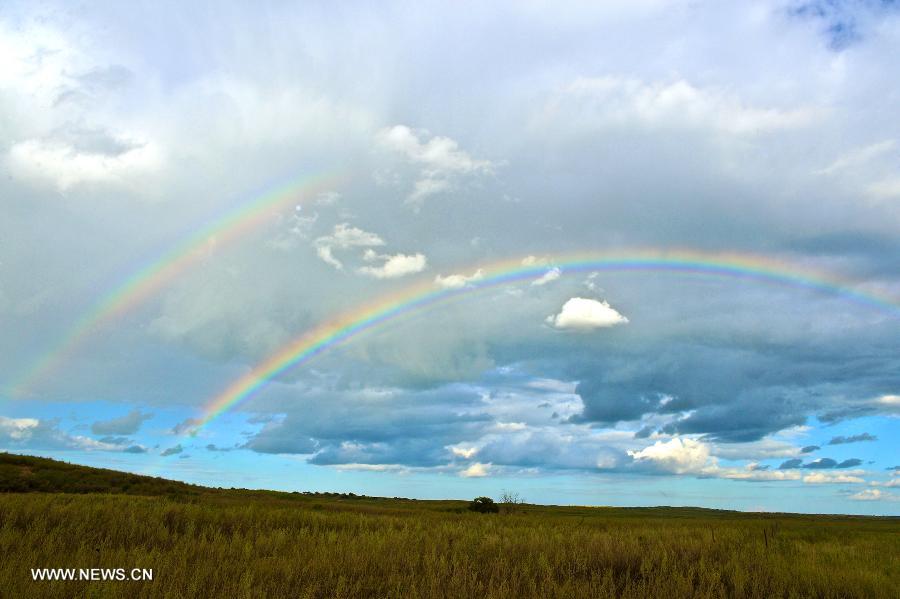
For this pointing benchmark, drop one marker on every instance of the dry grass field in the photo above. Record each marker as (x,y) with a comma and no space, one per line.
(232,543)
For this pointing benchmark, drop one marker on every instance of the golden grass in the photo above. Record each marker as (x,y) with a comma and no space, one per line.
(245,544)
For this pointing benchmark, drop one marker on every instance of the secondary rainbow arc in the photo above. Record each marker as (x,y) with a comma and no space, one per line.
(148,279)
(425,293)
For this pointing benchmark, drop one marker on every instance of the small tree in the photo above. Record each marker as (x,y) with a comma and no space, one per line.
(484,505)
(510,499)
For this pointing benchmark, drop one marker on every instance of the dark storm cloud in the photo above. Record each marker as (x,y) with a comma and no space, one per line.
(644,432)
(172,450)
(124,425)
(732,393)
(412,427)
(821,463)
(841,440)
(792,463)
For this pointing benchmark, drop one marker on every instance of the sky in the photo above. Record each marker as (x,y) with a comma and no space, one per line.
(617,253)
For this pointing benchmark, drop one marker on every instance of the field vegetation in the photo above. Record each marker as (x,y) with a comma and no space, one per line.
(203,542)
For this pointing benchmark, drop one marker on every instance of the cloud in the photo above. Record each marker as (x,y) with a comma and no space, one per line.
(124,425)
(889,400)
(612,101)
(810,449)
(213,447)
(188,426)
(458,281)
(135,449)
(678,455)
(172,450)
(820,478)
(874,495)
(65,166)
(584,314)
(344,237)
(823,463)
(439,159)
(395,266)
(792,463)
(34,433)
(476,470)
(548,277)
(841,440)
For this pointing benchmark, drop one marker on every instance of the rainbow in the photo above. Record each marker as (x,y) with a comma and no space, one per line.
(426,293)
(147,280)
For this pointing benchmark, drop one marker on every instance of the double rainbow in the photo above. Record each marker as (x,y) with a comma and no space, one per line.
(148,279)
(426,293)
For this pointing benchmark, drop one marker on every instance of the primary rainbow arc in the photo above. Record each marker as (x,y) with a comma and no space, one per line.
(426,293)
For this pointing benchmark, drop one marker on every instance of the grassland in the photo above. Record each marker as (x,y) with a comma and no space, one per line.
(234,543)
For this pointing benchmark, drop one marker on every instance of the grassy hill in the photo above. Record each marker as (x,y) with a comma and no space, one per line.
(203,542)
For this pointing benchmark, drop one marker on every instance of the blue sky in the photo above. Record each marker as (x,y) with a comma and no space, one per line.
(461,136)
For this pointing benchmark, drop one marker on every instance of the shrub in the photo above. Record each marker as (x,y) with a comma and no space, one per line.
(484,505)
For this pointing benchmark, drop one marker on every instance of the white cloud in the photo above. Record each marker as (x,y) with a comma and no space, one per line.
(439,160)
(889,400)
(585,314)
(533,261)
(344,237)
(463,451)
(619,101)
(757,475)
(18,429)
(457,281)
(65,166)
(894,482)
(394,266)
(874,495)
(678,455)
(548,277)
(46,434)
(476,470)
(832,478)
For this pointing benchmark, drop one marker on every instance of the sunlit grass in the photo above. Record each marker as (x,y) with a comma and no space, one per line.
(260,544)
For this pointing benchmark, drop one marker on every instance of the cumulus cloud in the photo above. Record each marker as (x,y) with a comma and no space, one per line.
(678,455)
(874,495)
(344,236)
(476,470)
(458,281)
(64,166)
(394,266)
(439,159)
(35,433)
(124,425)
(548,277)
(585,314)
